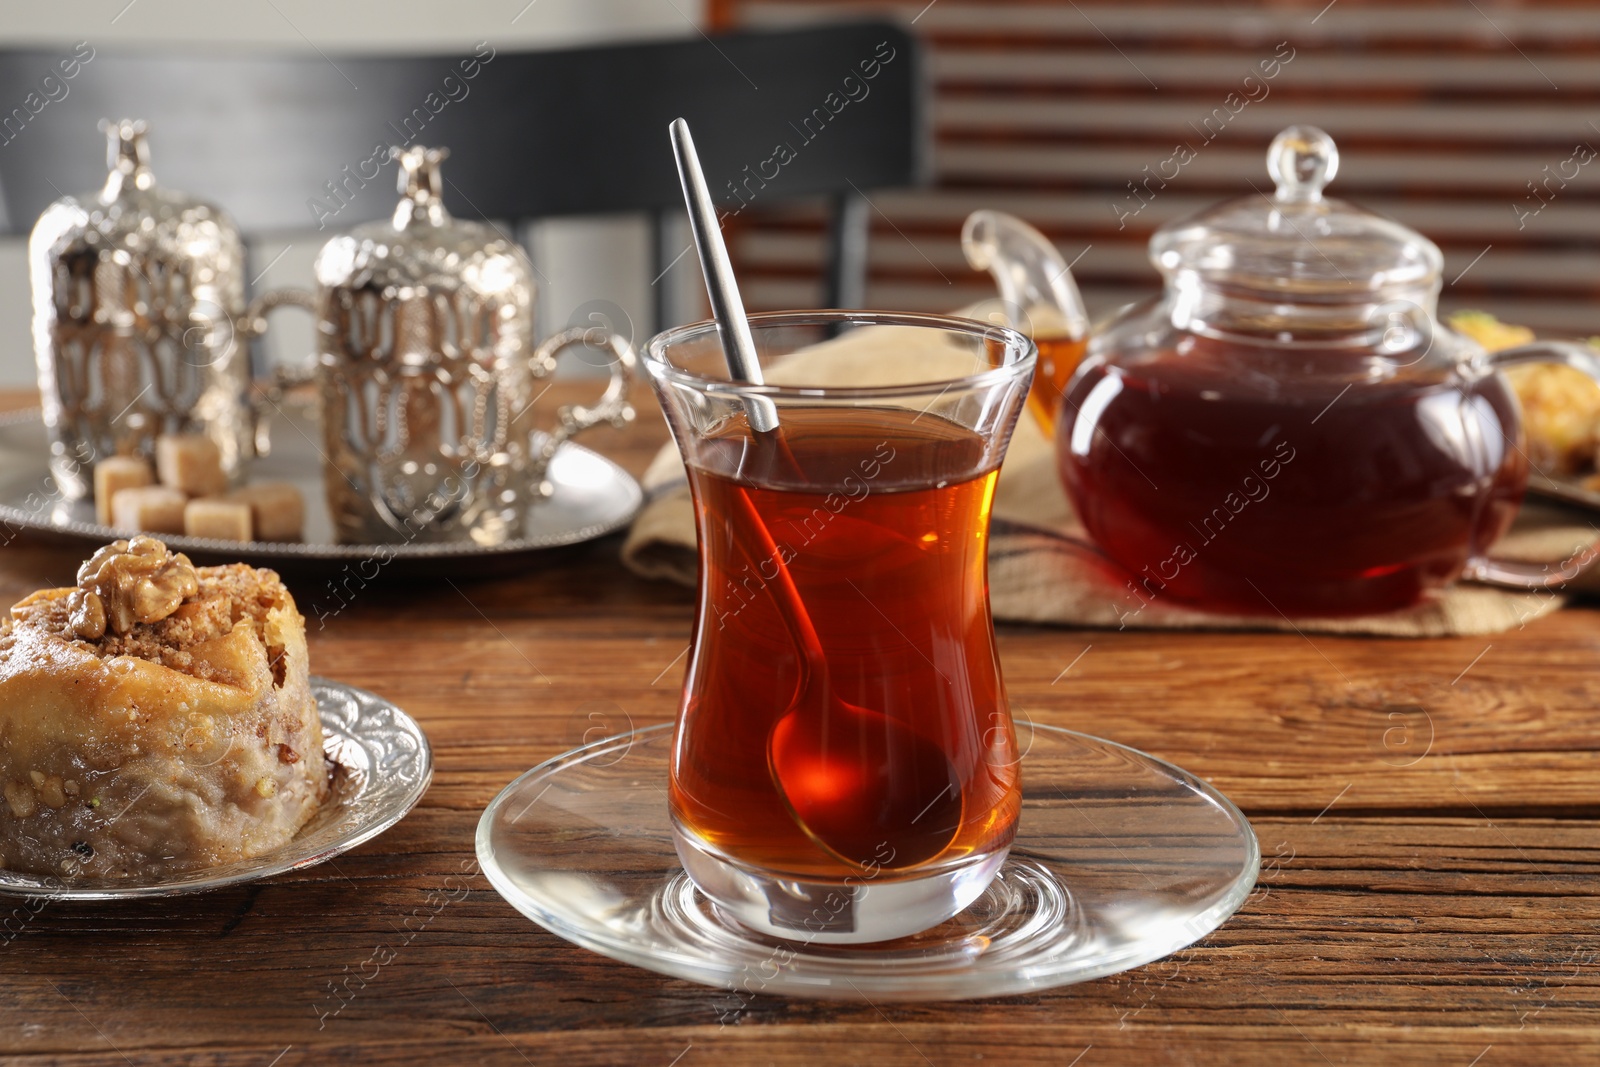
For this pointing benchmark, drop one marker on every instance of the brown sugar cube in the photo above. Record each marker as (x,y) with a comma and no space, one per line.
(277,511)
(148,509)
(225,520)
(112,474)
(191,462)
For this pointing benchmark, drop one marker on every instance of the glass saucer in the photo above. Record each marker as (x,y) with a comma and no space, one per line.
(1120,859)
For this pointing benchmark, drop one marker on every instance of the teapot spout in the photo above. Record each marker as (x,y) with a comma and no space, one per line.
(1036,287)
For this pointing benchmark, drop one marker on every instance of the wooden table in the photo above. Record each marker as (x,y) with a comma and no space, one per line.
(1429,814)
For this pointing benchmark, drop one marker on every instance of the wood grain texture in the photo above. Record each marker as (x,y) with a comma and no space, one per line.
(1431,889)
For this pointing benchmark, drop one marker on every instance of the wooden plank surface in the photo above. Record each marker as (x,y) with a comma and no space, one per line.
(1428,896)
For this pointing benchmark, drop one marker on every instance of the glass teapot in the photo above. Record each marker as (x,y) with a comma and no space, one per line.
(1288,429)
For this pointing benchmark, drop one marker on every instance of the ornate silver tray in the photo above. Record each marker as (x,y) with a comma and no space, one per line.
(593,497)
(382,766)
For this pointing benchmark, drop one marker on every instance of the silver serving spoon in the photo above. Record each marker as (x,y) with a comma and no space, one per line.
(861,784)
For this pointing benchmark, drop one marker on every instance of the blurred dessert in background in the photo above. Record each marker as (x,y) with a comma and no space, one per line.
(1560,405)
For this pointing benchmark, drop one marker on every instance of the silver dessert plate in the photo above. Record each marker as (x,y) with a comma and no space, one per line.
(381,767)
(593,497)
(1119,859)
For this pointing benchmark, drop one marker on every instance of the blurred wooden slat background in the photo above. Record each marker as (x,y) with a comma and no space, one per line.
(1447,115)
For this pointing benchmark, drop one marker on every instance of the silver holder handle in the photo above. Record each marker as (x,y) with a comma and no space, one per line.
(269,399)
(573,419)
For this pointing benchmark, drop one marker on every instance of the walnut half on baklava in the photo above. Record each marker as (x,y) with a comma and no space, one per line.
(154,720)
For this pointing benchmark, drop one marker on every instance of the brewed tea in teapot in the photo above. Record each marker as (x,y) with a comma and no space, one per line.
(1288,429)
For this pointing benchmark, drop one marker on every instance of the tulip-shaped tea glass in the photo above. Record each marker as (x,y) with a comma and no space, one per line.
(845,768)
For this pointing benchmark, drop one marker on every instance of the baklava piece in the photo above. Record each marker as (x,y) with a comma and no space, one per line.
(154,720)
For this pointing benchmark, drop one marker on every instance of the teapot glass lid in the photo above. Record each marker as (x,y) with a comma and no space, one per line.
(1296,243)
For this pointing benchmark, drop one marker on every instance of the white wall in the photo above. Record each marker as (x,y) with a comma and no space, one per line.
(580,260)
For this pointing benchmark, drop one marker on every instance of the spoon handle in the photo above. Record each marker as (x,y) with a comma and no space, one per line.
(727,307)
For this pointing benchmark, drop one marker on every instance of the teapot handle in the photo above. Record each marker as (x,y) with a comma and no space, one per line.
(612,407)
(1516,574)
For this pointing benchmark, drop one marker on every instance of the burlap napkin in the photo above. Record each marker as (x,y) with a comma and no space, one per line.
(1042,566)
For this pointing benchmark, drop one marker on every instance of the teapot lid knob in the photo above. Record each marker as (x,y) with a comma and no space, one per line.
(1302,160)
(1300,245)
